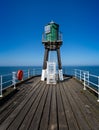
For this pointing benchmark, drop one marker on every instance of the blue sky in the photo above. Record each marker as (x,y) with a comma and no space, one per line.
(22,23)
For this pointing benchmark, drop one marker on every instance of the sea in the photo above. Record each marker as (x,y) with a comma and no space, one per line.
(69,69)
(94,70)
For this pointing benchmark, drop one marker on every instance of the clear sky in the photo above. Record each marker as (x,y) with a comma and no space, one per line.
(22,23)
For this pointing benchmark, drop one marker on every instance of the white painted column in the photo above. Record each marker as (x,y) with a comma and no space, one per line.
(61,75)
(43,76)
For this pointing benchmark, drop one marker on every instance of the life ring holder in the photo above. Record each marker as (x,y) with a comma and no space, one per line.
(20,75)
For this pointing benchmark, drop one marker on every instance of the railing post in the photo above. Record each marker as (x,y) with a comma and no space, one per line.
(88,78)
(98,90)
(1,87)
(84,81)
(28,73)
(80,75)
(64,71)
(75,73)
(33,72)
(14,79)
(36,72)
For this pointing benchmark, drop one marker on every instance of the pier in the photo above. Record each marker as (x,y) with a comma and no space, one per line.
(40,106)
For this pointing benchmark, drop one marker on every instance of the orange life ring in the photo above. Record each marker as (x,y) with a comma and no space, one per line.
(20,74)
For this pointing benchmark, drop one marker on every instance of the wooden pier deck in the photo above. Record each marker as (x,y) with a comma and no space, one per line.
(38,106)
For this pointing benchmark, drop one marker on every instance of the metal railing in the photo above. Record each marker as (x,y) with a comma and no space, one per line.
(90,81)
(6,81)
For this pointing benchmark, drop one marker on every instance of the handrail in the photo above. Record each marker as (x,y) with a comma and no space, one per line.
(84,76)
(7,81)
(11,79)
(5,75)
(87,79)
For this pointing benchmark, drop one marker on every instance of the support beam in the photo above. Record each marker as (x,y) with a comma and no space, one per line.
(45,65)
(45,58)
(59,65)
(59,59)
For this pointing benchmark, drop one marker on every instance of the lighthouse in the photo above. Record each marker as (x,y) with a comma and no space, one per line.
(52,41)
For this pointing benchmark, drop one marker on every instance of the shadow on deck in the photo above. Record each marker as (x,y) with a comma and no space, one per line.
(38,106)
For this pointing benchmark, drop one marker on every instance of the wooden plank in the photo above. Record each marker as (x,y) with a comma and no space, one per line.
(51,107)
(30,115)
(21,88)
(87,96)
(81,121)
(53,112)
(85,109)
(24,111)
(38,115)
(10,108)
(62,121)
(46,112)
(13,115)
(70,117)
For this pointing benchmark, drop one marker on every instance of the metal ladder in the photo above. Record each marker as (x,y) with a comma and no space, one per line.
(51,73)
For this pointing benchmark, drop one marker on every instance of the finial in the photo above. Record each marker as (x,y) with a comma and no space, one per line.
(52,21)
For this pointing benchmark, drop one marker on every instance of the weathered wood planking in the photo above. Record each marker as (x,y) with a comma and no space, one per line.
(16,100)
(38,106)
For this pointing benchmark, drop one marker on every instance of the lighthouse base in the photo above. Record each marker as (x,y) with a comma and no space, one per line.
(43,75)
